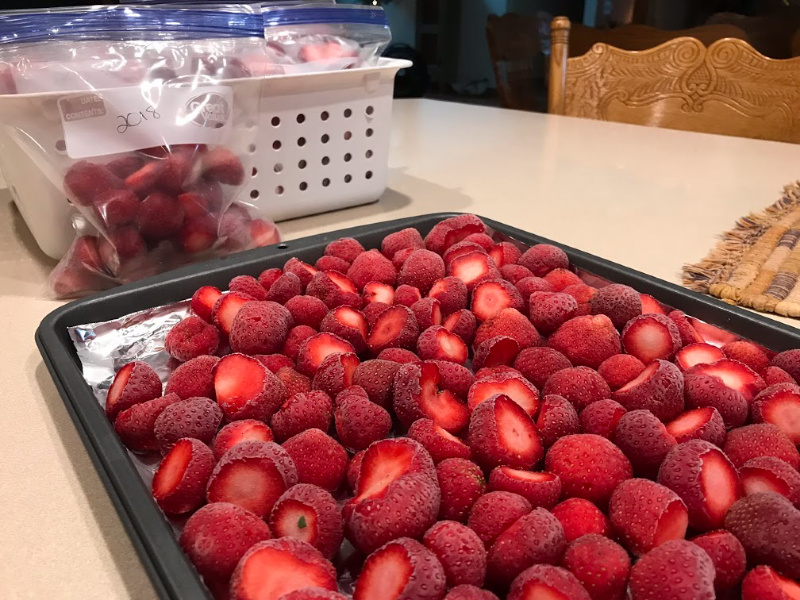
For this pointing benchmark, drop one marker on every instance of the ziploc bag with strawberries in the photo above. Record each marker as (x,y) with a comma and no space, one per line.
(151,131)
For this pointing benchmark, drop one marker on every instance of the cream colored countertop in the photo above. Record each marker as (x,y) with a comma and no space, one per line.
(648,198)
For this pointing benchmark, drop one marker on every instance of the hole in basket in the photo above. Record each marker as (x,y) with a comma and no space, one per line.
(282,246)
(369,175)
(348,135)
(276,121)
(324,116)
(347,113)
(301,141)
(301,118)
(61,145)
(368,154)
(278,167)
(348,178)
(325,138)
(251,148)
(254,194)
(325,160)
(279,190)
(326,182)
(254,172)
(276,145)
(303,186)
(370,110)
(348,157)
(302,164)
(369,132)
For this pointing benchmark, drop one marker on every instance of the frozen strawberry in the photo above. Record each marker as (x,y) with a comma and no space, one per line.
(580,385)
(234,225)
(452,230)
(762,474)
(473,268)
(249,285)
(306,310)
(540,489)
(530,285)
(180,481)
(400,257)
(397,495)
(644,440)
(274,362)
(620,369)
(463,324)
(174,172)
(773,375)
(332,263)
(360,422)
(396,327)
(375,291)
(495,512)
(780,406)
(762,439)
(198,234)
(421,269)
(84,181)
(114,208)
(399,240)
(601,565)
(768,526)
(454,377)
(252,475)
(437,441)
(245,389)
(400,356)
(461,248)
(428,312)
(144,181)
(619,303)
(220,164)
(685,328)
(334,289)
(502,433)
(491,296)
(417,395)
(546,581)
(300,412)
(649,337)
(699,424)
(134,383)
(125,165)
(335,373)
(601,417)
(354,470)
(561,279)
(274,569)
(135,425)
(372,311)
(556,419)
(237,432)
(355,391)
(319,347)
(203,301)
(159,216)
(194,205)
(763,583)
(697,354)
(294,382)
(481,239)
(748,353)
(297,335)
(538,364)
(122,250)
(346,248)
(789,361)
(85,259)
(197,418)
(193,378)
(727,554)
(705,480)
(469,592)
(534,538)
(494,352)
(734,375)
(589,466)
(304,271)
(436,343)
(310,514)
(401,569)
(372,266)
(587,340)
(190,338)
(505,253)
(651,306)
(710,391)
(377,378)
(543,258)
(583,295)
(678,570)
(580,517)
(659,389)
(218,535)
(512,385)
(549,310)
(226,308)
(460,552)
(461,482)
(515,273)
(212,194)
(407,295)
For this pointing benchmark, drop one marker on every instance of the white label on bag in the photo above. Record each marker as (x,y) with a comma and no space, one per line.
(126,119)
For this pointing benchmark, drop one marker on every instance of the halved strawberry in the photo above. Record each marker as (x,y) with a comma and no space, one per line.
(416,396)
(703,423)
(134,383)
(226,308)
(540,489)
(462,323)
(145,179)
(502,433)
(272,569)
(712,334)
(427,312)
(396,327)
(473,268)
(651,306)
(579,517)
(437,441)
(310,514)
(349,324)
(317,348)
(403,568)
(770,474)
(407,295)
(764,583)
(304,271)
(505,253)
(651,336)
(375,291)
(735,375)
(749,353)
(496,351)
(245,389)
(247,430)
(490,297)
(780,406)
(180,480)
(460,249)
(437,343)
(659,389)
(688,333)
(335,373)
(697,354)
(451,293)
(512,385)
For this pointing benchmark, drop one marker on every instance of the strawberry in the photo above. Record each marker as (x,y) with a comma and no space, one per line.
(580,517)
(710,391)
(334,289)
(688,333)
(306,310)
(697,354)
(226,308)
(515,273)
(586,341)
(310,514)
(123,251)
(543,258)
(436,343)
(463,324)
(437,441)
(765,474)
(650,336)
(421,269)
(190,338)
(245,389)
(144,181)
(512,385)
(461,483)
(530,285)
(469,592)
(773,375)
(547,581)
(114,208)
(180,480)
(460,552)
(580,385)
(549,310)
(252,475)
(619,303)
(407,295)
(408,238)
(583,295)
(320,460)
(335,373)
(400,257)
(235,433)
(396,327)
(451,231)
(195,206)
(601,417)
(220,164)
(511,323)
(645,514)
(502,433)
(248,285)
(534,538)
(505,253)
(644,440)
(159,216)
(495,512)
(780,406)
(314,593)
(377,378)
(353,391)
(274,362)
(346,248)
(675,570)
(491,296)
(789,361)
(538,364)
(375,291)
(234,225)
(556,419)
(481,239)
(402,568)
(727,554)
(304,271)
(125,165)
(135,424)
(354,470)
(540,489)
(397,495)
(560,279)
(601,565)
(134,383)
(698,424)
(659,389)
(319,347)
(416,396)
(589,466)
(84,181)
(757,440)
(174,172)
(496,351)
(472,268)
(360,422)
(203,301)
(747,353)
(651,306)
(620,369)
(372,311)
(372,266)
(300,412)
(768,526)
(455,378)
(400,356)
(272,569)
(763,583)
(295,338)
(286,287)
(428,312)
(193,378)
(196,418)
(268,277)
(294,382)
(705,480)
(735,375)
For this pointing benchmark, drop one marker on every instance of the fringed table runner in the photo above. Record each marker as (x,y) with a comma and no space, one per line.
(756,264)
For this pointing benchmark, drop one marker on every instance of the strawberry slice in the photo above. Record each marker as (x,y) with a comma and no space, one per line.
(303,270)
(319,347)
(490,297)
(226,308)
(699,424)
(502,433)
(416,396)
(494,352)
(650,337)
(651,306)
(459,234)
(310,514)
(245,389)
(697,354)
(198,234)
(770,474)
(764,583)
(349,324)
(144,181)
(437,343)
(780,405)
(460,249)
(134,383)
(395,327)
(735,375)
(233,434)
(472,268)
(375,291)
(343,282)
(712,334)
(272,569)
(387,461)
(512,385)
(540,489)
(179,483)
(403,568)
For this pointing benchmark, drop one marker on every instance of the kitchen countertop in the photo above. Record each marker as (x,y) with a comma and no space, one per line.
(649,198)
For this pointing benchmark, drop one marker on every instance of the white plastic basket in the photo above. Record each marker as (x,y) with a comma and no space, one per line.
(322,144)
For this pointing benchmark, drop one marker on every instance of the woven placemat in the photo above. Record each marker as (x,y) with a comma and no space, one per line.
(757,263)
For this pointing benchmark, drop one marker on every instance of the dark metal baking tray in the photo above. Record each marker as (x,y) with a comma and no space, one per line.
(152,536)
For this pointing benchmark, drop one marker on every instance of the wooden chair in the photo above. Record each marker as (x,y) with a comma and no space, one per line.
(517,52)
(727,88)
(770,35)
